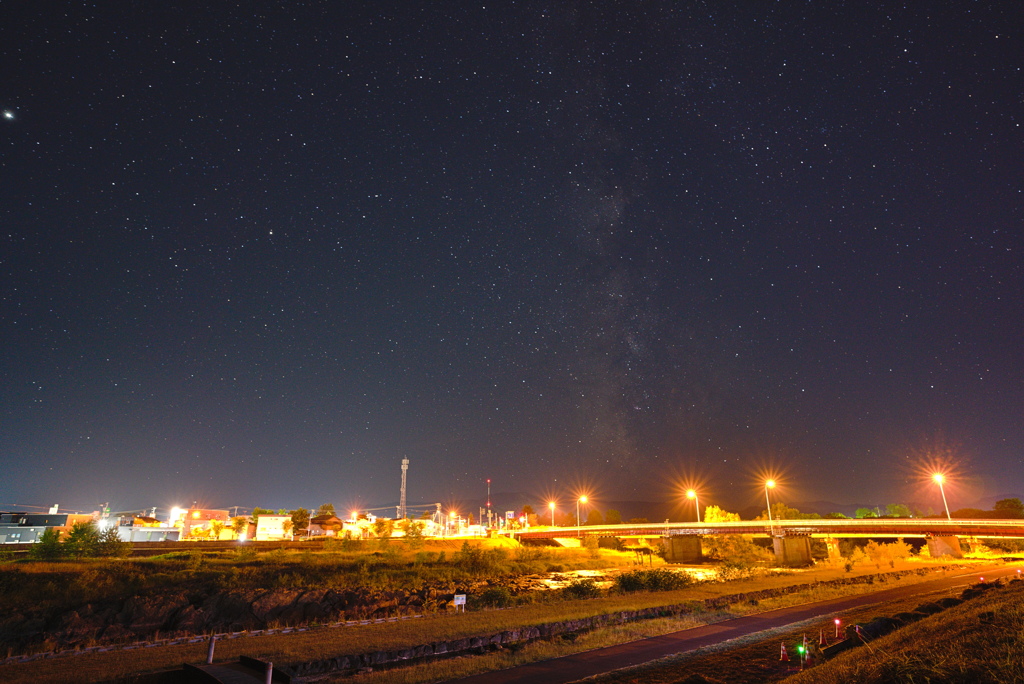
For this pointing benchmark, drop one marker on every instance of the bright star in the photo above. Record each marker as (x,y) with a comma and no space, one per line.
(8,114)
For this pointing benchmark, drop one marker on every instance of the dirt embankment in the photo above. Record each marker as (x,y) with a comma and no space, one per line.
(206,610)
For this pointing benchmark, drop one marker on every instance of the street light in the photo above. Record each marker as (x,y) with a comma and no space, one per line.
(769,484)
(692,494)
(583,500)
(939,479)
(551,505)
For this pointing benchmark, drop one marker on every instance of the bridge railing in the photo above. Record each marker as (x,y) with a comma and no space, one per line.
(818,526)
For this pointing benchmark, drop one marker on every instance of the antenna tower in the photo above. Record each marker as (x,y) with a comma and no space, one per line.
(401,504)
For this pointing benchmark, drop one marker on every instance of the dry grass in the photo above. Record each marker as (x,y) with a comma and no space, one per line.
(328,643)
(978,642)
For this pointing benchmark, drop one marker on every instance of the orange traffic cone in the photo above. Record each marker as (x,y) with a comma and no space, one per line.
(784,657)
(822,639)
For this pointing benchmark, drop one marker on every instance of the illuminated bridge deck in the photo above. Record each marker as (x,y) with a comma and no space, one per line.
(862,527)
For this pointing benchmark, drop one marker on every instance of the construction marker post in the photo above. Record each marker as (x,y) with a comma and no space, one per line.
(783,656)
(209,651)
(268,677)
(837,621)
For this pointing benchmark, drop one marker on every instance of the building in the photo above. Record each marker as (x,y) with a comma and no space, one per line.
(273,527)
(198,523)
(26,528)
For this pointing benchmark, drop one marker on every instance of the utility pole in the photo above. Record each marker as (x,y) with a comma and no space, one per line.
(401,504)
(488,503)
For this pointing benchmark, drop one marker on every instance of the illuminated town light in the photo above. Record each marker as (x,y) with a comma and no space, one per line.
(551,505)
(769,484)
(939,479)
(692,494)
(581,500)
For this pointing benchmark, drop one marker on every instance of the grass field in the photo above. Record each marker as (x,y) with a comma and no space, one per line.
(327,643)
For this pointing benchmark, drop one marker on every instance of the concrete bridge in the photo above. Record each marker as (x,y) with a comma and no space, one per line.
(791,538)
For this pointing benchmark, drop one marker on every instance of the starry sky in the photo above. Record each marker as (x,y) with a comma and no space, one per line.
(255,254)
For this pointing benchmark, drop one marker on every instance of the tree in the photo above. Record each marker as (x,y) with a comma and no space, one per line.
(781,511)
(286,527)
(738,551)
(111,545)
(216,527)
(528,510)
(325,509)
(239,525)
(82,541)
(974,513)
(414,534)
(897,510)
(47,547)
(835,516)
(865,513)
(594,517)
(383,528)
(1009,508)
(887,553)
(300,519)
(612,517)
(716,514)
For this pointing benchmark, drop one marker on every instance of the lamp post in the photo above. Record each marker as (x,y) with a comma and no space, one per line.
(769,484)
(582,499)
(692,494)
(551,505)
(939,478)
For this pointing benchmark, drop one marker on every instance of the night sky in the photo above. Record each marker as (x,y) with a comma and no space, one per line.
(255,254)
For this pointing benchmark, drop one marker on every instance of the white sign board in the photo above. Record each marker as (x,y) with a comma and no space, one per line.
(460,600)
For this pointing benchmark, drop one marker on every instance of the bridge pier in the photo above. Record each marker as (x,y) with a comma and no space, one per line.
(683,548)
(832,544)
(792,551)
(944,545)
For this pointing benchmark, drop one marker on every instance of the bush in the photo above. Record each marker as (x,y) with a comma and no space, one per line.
(495,597)
(246,554)
(735,569)
(581,589)
(111,546)
(652,580)
(83,540)
(48,547)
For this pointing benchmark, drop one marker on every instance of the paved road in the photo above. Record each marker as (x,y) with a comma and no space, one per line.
(574,667)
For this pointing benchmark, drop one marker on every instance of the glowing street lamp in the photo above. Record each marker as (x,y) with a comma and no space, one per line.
(692,494)
(583,500)
(769,484)
(551,505)
(939,478)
